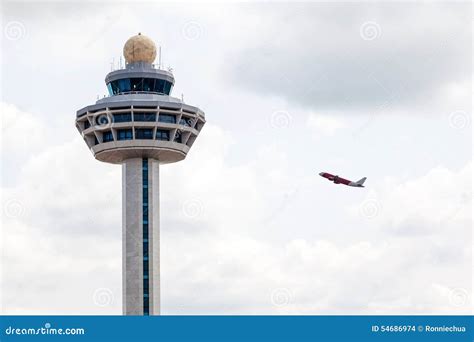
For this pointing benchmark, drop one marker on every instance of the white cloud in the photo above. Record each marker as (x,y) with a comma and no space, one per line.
(431,202)
(238,275)
(324,124)
(219,262)
(22,132)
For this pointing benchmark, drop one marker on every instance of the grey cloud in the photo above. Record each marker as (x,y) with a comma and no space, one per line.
(356,56)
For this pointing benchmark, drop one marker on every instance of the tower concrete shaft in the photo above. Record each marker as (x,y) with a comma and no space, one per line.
(141,236)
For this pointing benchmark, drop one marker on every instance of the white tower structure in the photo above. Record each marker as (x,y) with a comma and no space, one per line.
(140,126)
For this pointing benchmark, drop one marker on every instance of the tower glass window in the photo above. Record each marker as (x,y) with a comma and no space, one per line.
(147,117)
(177,137)
(168,118)
(162,135)
(113,88)
(107,136)
(167,89)
(160,86)
(139,84)
(148,84)
(109,88)
(186,121)
(124,134)
(124,85)
(143,133)
(146,290)
(123,117)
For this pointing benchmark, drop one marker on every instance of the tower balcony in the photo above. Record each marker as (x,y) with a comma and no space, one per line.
(140,126)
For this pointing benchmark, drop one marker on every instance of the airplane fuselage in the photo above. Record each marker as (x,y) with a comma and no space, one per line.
(339,180)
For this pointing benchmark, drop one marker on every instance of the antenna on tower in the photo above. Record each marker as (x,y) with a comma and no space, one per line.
(182,97)
(120,62)
(159,59)
(112,64)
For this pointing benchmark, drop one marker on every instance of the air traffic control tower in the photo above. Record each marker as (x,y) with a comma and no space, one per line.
(140,126)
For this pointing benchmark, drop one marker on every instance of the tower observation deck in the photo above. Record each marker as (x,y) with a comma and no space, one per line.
(140,126)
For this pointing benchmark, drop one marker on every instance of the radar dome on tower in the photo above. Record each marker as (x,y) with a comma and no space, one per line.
(139,48)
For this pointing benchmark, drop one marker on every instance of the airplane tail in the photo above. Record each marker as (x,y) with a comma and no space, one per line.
(360,182)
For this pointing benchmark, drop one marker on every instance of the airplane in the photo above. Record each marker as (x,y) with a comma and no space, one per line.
(339,180)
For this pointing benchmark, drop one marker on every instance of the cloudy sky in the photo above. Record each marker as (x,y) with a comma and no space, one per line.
(248,227)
